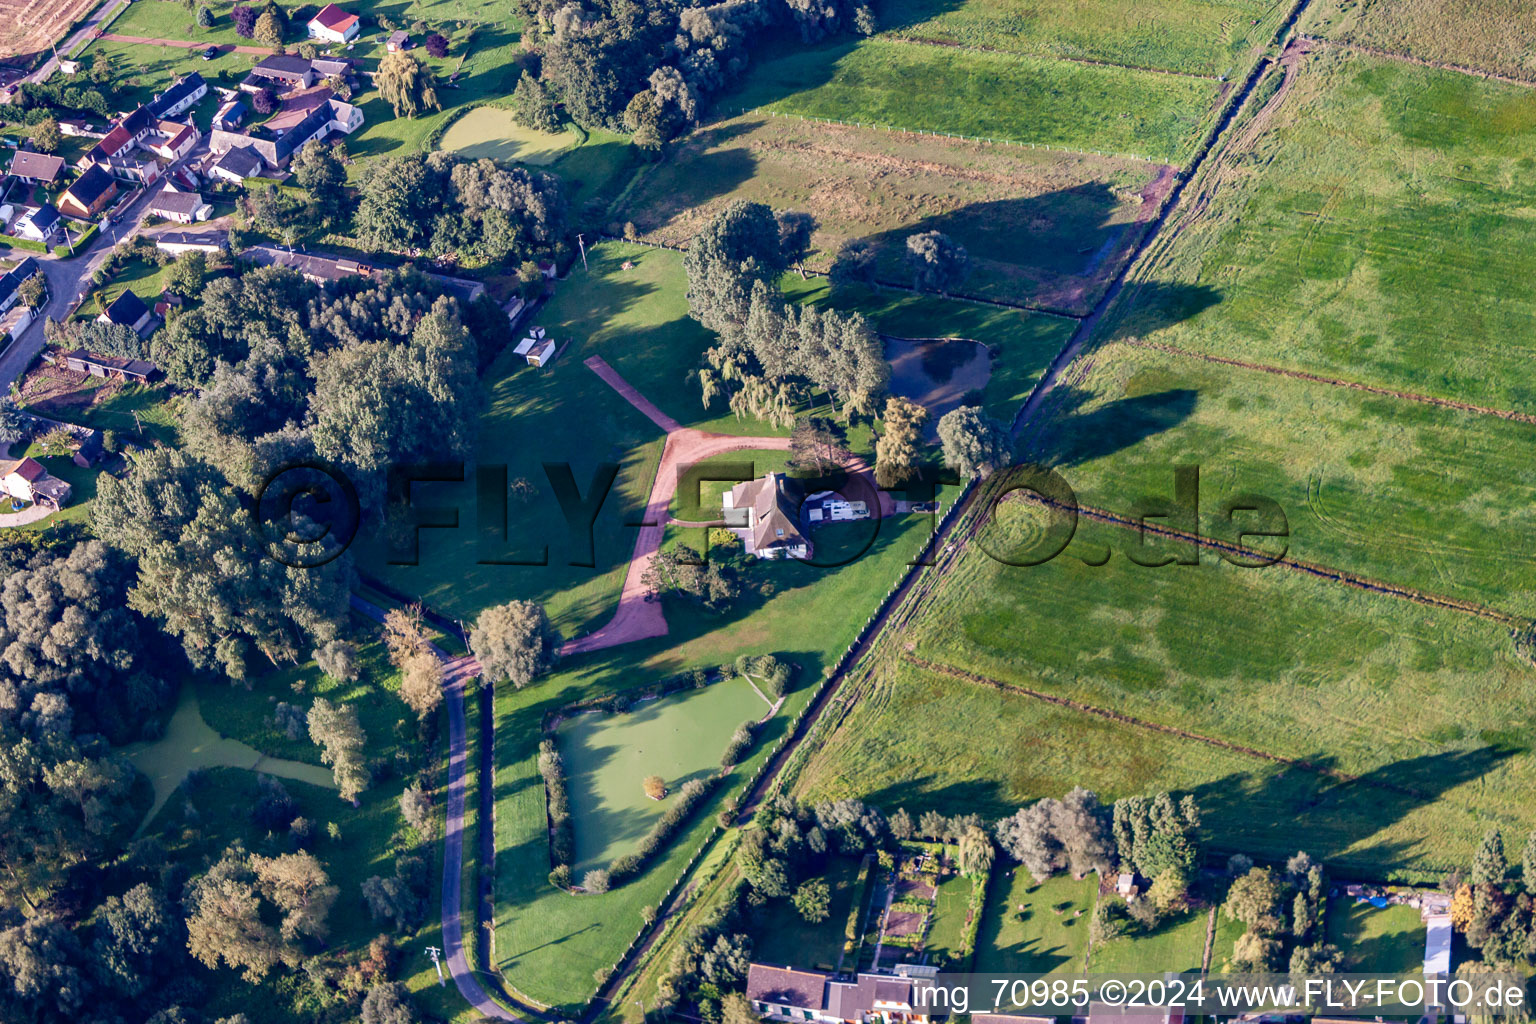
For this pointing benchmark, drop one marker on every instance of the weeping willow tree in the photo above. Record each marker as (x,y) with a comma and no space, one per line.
(407,85)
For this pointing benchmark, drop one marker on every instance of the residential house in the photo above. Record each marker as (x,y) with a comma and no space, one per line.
(89,194)
(40,225)
(27,480)
(11,281)
(323,267)
(96,365)
(180,97)
(398,40)
(172,141)
(229,115)
(333,25)
(36,168)
(788,994)
(181,207)
(127,310)
(281,72)
(766,513)
(123,135)
(178,242)
(329,117)
(238,164)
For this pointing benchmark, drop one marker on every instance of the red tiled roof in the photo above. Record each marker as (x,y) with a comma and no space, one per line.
(335,19)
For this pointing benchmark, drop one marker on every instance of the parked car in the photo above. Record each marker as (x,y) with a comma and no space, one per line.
(210,53)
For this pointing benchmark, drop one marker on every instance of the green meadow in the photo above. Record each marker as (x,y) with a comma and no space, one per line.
(985,95)
(1367,237)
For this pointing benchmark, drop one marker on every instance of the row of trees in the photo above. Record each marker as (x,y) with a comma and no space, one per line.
(1495,907)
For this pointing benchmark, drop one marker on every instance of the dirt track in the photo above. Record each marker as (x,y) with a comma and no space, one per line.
(185,44)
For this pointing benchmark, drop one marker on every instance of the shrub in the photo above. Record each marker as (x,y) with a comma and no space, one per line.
(597,880)
(624,867)
(740,742)
(560,877)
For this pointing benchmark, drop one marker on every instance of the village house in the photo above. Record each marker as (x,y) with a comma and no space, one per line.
(333,25)
(12,280)
(27,480)
(788,994)
(127,310)
(322,268)
(181,207)
(40,225)
(180,97)
(89,194)
(766,515)
(81,361)
(172,141)
(237,164)
(36,168)
(331,115)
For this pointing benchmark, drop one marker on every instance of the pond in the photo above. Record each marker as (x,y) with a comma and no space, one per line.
(190,743)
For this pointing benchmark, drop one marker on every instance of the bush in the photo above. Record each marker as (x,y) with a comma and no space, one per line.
(597,881)
(624,867)
(560,877)
(740,742)
(1111,919)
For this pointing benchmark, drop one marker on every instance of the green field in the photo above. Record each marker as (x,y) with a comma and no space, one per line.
(1491,35)
(1029,928)
(606,756)
(1177,944)
(781,936)
(1209,37)
(1385,941)
(144,70)
(1411,494)
(947,931)
(548,943)
(1043,228)
(984,95)
(490,132)
(1367,238)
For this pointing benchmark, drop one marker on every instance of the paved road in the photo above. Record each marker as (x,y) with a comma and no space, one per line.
(69,280)
(456,672)
(87,27)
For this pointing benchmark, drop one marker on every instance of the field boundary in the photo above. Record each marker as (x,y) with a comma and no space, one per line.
(1314,378)
(1092,62)
(965,675)
(1423,62)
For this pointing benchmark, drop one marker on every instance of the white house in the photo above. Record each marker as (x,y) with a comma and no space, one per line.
(40,225)
(181,207)
(333,25)
(27,480)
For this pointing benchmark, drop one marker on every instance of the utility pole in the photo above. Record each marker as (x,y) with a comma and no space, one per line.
(434,953)
(582,242)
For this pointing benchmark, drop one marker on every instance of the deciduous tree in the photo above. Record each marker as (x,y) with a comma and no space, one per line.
(974,444)
(514,642)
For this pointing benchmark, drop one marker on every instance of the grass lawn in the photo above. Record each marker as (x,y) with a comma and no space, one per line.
(951,906)
(1492,35)
(1029,928)
(144,69)
(489,132)
(93,404)
(984,95)
(82,489)
(1208,37)
(678,737)
(143,278)
(1176,945)
(547,943)
(1369,237)
(1385,941)
(1046,228)
(781,936)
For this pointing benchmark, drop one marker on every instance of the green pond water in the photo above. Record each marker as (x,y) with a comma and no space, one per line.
(190,743)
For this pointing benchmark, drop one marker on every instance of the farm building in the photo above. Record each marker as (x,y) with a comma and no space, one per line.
(784,993)
(333,25)
(40,225)
(127,310)
(767,511)
(90,193)
(181,207)
(27,480)
(81,361)
(36,168)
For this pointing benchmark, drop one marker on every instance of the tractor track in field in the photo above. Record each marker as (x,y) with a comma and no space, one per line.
(947,44)
(965,675)
(1325,572)
(1314,378)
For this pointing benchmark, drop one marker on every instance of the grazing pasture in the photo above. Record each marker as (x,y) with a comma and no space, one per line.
(1377,232)
(1043,228)
(986,95)
(1204,37)
(1490,35)
(678,737)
